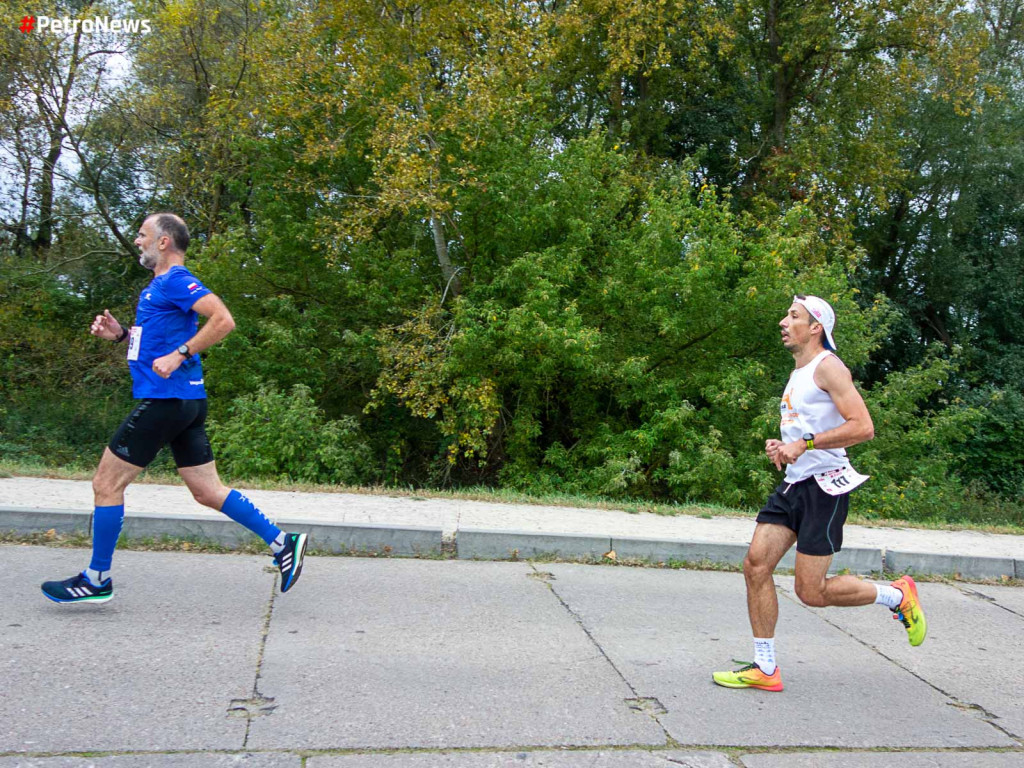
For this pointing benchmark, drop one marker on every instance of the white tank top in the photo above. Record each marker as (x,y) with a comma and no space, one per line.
(808,408)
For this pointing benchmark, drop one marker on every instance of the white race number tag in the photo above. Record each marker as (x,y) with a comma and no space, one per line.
(134,342)
(836,482)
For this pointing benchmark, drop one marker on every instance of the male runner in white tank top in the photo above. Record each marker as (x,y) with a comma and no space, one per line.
(822,414)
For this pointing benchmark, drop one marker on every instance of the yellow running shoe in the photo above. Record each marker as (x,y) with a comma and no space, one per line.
(910,612)
(749,676)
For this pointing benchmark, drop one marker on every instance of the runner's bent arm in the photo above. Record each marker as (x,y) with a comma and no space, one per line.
(219,323)
(835,378)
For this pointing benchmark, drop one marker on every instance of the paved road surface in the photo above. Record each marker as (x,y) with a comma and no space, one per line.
(402,663)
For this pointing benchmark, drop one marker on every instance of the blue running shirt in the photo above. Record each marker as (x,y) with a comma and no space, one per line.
(167,321)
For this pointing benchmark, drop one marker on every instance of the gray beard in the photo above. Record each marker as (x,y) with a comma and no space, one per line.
(149,262)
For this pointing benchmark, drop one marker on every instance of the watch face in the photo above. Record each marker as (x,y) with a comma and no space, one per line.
(183,349)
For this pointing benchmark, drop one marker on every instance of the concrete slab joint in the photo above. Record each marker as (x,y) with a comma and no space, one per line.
(648,705)
(255,706)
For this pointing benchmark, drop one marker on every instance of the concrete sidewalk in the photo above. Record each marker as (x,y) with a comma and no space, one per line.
(199,661)
(404,525)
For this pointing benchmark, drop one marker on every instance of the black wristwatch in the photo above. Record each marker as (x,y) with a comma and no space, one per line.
(124,335)
(183,350)
(808,438)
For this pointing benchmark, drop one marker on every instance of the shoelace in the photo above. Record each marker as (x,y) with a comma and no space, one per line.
(82,582)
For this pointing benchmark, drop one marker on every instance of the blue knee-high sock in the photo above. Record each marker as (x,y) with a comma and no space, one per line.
(106,527)
(242,511)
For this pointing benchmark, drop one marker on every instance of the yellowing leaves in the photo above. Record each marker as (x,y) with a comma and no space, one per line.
(415,356)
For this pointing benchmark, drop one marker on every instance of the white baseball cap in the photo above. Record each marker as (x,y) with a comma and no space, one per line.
(823,313)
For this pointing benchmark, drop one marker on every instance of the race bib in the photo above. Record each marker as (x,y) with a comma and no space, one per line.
(134,342)
(836,482)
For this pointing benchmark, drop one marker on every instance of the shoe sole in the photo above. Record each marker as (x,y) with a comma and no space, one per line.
(300,553)
(776,687)
(922,621)
(91,600)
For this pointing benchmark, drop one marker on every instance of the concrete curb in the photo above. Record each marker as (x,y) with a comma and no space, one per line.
(365,539)
(490,544)
(371,538)
(494,544)
(974,566)
(855,559)
(659,551)
(34,520)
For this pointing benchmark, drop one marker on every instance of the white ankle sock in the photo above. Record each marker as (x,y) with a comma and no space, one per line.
(764,654)
(96,578)
(888,596)
(277,544)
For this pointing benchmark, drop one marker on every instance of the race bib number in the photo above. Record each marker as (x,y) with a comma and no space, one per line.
(836,482)
(134,342)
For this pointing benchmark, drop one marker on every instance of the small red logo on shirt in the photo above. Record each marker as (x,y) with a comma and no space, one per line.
(193,287)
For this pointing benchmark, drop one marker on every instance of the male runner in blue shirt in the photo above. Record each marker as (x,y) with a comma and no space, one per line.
(167,381)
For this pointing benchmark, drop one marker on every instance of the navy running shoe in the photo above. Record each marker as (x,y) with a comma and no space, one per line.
(289,559)
(78,589)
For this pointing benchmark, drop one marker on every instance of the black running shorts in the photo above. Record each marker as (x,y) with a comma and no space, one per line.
(815,517)
(157,422)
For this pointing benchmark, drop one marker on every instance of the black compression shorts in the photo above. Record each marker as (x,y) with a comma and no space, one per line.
(815,517)
(156,422)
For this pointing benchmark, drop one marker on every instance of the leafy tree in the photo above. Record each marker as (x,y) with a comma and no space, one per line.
(535,244)
(630,344)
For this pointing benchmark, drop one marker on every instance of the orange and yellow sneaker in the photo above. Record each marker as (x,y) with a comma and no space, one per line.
(910,612)
(749,676)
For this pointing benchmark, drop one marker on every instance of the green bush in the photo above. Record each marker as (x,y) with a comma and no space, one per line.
(994,453)
(59,431)
(284,436)
(916,447)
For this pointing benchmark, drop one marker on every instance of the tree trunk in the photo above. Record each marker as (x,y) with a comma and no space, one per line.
(56,127)
(450,274)
(615,107)
(780,85)
(44,233)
